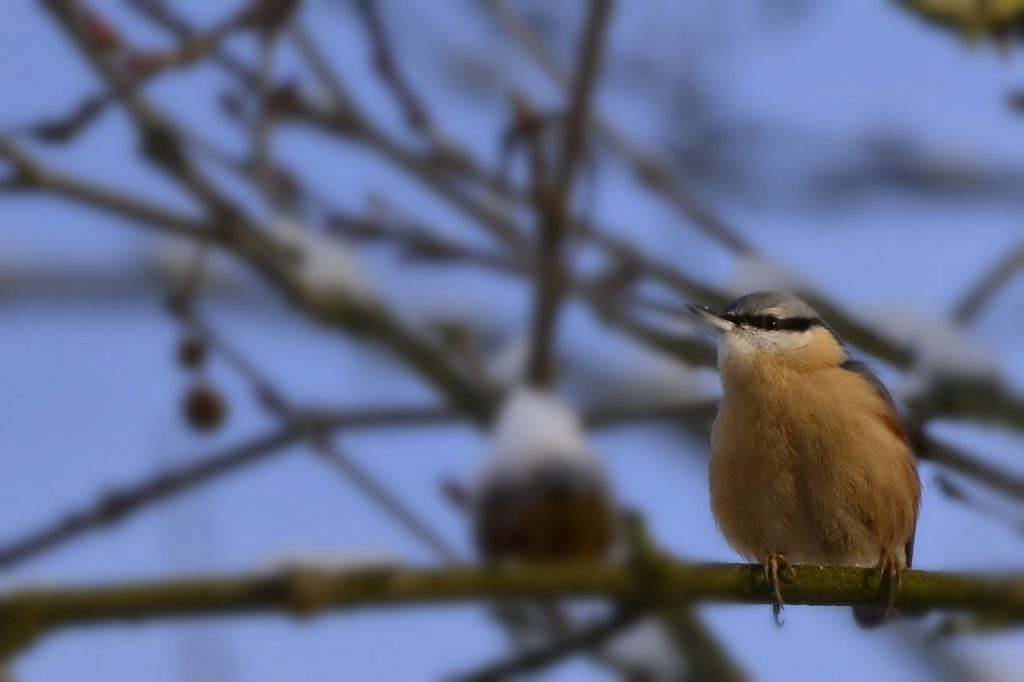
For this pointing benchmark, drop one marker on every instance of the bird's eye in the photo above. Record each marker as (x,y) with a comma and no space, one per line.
(771,322)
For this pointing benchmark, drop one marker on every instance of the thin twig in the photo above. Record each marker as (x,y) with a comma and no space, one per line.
(313,432)
(192,49)
(264,124)
(120,503)
(705,657)
(954,459)
(320,66)
(37,177)
(384,60)
(649,171)
(972,302)
(552,196)
(584,638)
(160,142)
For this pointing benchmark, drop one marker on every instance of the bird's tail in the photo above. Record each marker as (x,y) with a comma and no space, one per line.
(871,616)
(875,616)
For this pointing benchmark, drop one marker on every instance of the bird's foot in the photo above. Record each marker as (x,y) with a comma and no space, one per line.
(772,563)
(891,572)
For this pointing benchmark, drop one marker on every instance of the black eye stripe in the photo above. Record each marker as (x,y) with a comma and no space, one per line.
(771,322)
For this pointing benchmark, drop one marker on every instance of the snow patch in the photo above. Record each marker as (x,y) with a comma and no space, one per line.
(327,561)
(323,265)
(534,428)
(752,273)
(508,364)
(941,348)
(646,649)
(641,378)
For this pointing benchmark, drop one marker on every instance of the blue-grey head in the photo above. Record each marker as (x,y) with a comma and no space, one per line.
(768,321)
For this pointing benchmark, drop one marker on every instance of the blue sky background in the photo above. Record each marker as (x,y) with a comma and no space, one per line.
(90,391)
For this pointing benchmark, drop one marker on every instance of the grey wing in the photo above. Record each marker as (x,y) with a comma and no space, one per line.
(862,369)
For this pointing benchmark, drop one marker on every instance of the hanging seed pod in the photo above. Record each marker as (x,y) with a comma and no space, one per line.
(192,353)
(204,408)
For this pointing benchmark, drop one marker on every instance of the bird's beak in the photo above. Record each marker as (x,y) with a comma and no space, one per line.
(710,317)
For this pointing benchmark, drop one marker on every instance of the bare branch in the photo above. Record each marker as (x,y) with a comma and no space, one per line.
(552,196)
(704,655)
(29,614)
(159,140)
(384,61)
(952,458)
(972,302)
(320,66)
(584,638)
(648,170)
(119,503)
(315,435)
(35,176)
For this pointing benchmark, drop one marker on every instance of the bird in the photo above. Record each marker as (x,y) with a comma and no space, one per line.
(541,496)
(810,463)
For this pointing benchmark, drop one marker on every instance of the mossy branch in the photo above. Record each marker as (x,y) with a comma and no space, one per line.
(969,18)
(27,614)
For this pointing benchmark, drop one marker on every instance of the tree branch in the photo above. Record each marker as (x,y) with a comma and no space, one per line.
(159,141)
(119,503)
(648,170)
(27,614)
(968,307)
(584,638)
(552,197)
(384,61)
(969,18)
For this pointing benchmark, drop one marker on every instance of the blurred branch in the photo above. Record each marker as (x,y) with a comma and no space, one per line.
(423,167)
(553,195)
(345,120)
(141,67)
(314,433)
(354,126)
(363,319)
(33,176)
(584,638)
(988,286)
(706,659)
(159,142)
(985,399)
(981,503)
(384,61)
(951,397)
(656,176)
(970,18)
(954,459)
(118,504)
(28,614)
(264,124)
(319,65)
(162,14)
(648,170)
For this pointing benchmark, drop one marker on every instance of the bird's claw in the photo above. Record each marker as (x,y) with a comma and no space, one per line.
(772,564)
(891,572)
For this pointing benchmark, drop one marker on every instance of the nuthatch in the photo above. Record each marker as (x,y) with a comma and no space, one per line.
(541,495)
(809,461)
